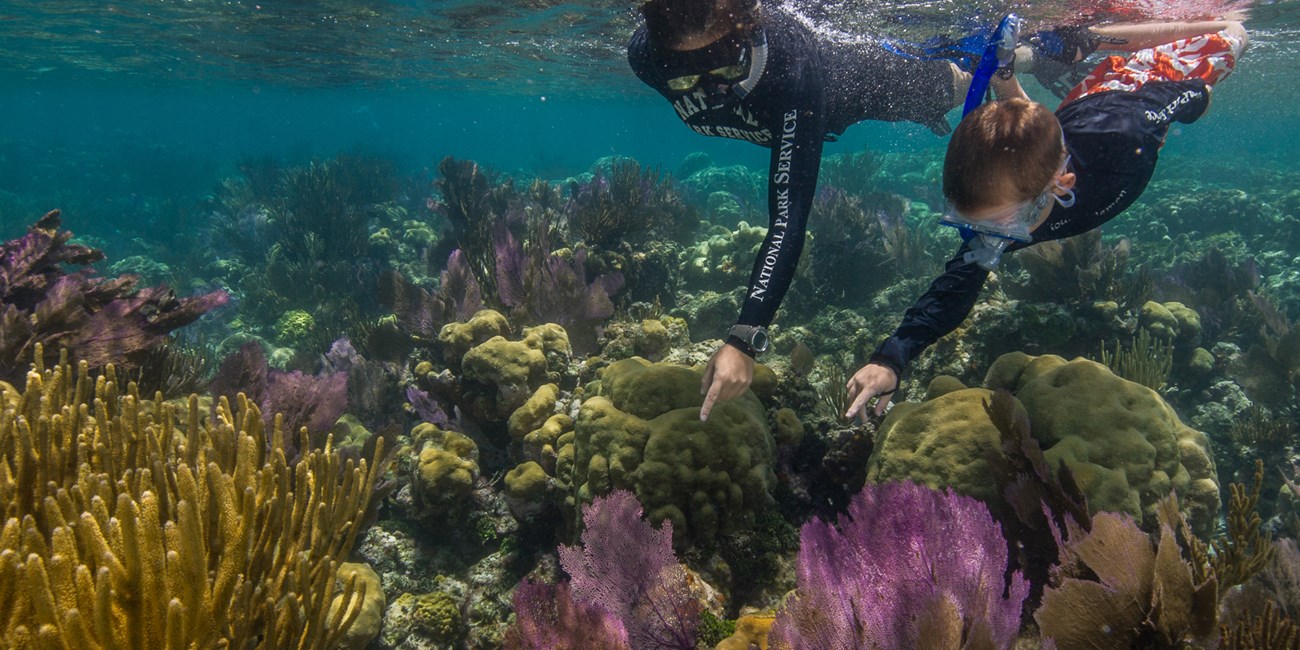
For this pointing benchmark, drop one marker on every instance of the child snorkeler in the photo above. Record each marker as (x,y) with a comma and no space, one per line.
(1017,174)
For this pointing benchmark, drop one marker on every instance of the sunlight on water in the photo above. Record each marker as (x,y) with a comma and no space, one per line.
(501,45)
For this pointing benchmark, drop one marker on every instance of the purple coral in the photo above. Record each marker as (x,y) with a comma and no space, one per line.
(543,287)
(629,568)
(102,320)
(547,617)
(422,313)
(900,555)
(312,401)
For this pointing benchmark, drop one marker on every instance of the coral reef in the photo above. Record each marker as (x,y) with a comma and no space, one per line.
(626,204)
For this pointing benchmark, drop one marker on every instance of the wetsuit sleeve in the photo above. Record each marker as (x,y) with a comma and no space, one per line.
(940,310)
(791,185)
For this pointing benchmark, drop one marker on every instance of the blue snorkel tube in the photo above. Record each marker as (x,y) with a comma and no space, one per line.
(1000,51)
(986,249)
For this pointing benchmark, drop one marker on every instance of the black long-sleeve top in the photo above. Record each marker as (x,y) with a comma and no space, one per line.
(1114,141)
(808,90)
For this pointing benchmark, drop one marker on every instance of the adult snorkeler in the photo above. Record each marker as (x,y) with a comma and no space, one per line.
(737,69)
(1016,174)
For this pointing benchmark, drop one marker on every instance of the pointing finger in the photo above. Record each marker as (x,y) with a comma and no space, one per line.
(709,399)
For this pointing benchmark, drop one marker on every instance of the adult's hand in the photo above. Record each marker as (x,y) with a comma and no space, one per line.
(870,381)
(728,374)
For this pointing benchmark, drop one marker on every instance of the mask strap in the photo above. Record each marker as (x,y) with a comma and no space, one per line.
(756,66)
(1066,201)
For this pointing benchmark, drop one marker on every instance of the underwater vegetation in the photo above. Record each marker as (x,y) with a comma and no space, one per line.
(455,409)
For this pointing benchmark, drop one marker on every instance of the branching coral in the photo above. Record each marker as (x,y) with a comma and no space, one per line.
(1081,268)
(124,530)
(478,208)
(846,263)
(852,172)
(1270,630)
(625,204)
(1146,361)
(330,202)
(42,304)
(1216,287)
(1037,500)
(1246,549)
(1271,370)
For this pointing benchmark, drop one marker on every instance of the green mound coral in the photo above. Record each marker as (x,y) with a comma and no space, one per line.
(643,433)
(1125,446)
(371,607)
(534,412)
(942,441)
(499,376)
(444,471)
(553,341)
(434,618)
(651,338)
(528,489)
(458,338)
(295,328)
(723,259)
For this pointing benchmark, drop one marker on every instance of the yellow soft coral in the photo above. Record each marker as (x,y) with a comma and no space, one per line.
(122,529)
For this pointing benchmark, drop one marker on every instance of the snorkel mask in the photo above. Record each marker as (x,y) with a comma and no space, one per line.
(989,236)
(730,66)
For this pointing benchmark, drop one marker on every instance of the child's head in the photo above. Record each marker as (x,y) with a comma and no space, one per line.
(1003,154)
(673,22)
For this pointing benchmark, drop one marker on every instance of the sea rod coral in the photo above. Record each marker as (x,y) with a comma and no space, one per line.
(124,528)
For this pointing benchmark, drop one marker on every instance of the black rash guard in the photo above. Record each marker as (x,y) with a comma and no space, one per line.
(1114,141)
(807,91)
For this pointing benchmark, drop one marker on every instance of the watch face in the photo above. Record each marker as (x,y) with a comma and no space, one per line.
(759,341)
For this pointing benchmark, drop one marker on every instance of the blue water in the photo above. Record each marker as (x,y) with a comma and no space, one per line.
(517,89)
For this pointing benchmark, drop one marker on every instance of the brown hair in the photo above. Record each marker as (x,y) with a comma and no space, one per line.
(1008,149)
(671,21)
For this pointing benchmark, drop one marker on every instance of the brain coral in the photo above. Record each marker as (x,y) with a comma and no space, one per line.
(643,433)
(1123,442)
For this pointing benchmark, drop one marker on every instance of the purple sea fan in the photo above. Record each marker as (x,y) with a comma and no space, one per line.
(628,567)
(548,618)
(905,567)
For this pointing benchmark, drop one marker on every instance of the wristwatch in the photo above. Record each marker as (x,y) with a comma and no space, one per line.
(754,336)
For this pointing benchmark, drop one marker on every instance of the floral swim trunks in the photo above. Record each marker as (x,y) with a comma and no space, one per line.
(1209,56)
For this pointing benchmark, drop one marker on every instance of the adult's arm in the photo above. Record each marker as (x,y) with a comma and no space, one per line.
(791,185)
(1140,36)
(796,119)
